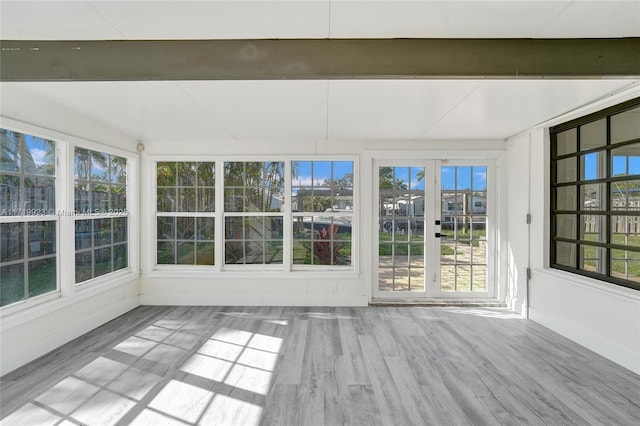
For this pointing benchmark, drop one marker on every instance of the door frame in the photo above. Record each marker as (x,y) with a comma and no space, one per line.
(432,288)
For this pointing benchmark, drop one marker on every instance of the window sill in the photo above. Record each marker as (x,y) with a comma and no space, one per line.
(255,274)
(602,286)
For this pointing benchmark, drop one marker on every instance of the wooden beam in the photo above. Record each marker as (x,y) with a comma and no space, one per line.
(318,59)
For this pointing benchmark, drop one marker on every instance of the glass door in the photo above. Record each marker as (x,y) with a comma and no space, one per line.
(432,230)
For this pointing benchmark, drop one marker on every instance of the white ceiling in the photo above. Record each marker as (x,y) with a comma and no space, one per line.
(318,110)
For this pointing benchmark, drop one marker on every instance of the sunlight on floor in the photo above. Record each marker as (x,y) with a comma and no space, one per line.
(223,381)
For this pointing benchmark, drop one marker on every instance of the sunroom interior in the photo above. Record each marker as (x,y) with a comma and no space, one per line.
(316,190)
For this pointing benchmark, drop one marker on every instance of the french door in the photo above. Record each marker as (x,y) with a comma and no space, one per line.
(434,234)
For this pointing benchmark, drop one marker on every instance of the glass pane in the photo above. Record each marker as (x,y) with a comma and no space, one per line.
(625,195)
(186,201)
(302,252)
(82,164)
(39,157)
(273,228)
(166,200)
(83,234)
(566,198)
(82,197)
(42,238)
(447,251)
(99,166)
(479,228)
(118,170)
(592,196)
(273,252)
(102,257)
(343,257)
(625,126)
(206,199)
(479,278)
(185,228)
(479,253)
(625,265)
(593,135)
(234,200)
(10,195)
(186,174)
(566,170)
(566,142)
(120,257)
(100,197)
(593,228)
(206,229)
(566,226)
(84,268)
(593,165)
(206,174)
(253,228)
(463,176)
(385,275)
(11,283)
(233,252)
(625,230)
(566,254)
(166,254)
(253,252)
(480,179)
(186,253)
(166,174)
(343,174)
(42,276)
(321,173)
(11,241)
(463,278)
(592,259)
(102,232)
(118,198)
(233,228)
(447,276)
(626,160)
(40,194)
(119,229)
(166,228)
(10,145)
(205,253)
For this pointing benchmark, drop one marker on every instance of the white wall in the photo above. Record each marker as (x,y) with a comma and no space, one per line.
(293,288)
(29,330)
(600,316)
(518,230)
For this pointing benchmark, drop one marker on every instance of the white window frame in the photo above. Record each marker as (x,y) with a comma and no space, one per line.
(67,291)
(290,270)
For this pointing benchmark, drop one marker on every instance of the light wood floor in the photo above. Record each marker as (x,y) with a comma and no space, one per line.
(320,366)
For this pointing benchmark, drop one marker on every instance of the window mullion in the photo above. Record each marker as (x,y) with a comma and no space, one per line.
(287,231)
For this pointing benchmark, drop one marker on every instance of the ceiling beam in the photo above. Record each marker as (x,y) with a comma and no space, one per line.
(309,59)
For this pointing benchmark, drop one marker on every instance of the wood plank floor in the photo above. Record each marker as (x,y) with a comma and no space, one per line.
(320,366)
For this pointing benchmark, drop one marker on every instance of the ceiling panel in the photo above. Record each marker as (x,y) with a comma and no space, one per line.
(144,110)
(388,109)
(441,19)
(319,110)
(595,19)
(217,19)
(265,110)
(108,20)
(502,108)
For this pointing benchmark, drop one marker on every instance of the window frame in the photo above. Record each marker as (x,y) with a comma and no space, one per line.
(287,268)
(606,180)
(67,291)
(93,215)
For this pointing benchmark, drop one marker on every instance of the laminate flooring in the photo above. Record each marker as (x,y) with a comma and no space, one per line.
(394,366)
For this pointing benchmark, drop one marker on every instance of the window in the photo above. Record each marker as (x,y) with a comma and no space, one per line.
(253,218)
(28,248)
(279,215)
(101,216)
(595,195)
(185,215)
(322,206)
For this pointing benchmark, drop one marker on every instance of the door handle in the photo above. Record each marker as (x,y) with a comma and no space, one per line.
(438,235)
